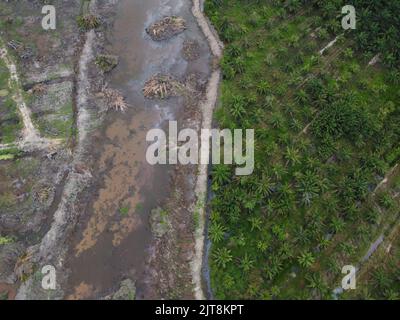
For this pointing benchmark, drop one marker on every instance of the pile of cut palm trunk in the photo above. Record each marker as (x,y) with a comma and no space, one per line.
(166,28)
(114,99)
(161,87)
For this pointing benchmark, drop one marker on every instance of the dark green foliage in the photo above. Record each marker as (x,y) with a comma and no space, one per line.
(326,131)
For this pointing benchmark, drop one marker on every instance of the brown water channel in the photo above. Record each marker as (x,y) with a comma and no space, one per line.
(112,237)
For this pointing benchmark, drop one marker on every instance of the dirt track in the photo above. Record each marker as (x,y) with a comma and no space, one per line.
(207,108)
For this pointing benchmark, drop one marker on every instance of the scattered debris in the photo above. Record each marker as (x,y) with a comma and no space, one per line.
(38,89)
(24,52)
(15,45)
(43,194)
(330,44)
(88,21)
(166,28)
(127,291)
(194,85)
(191,50)
(51,155)
(24,266)
(161,87)
(80,168)
(159,222)
(374,60)
(106,62)
(114,99)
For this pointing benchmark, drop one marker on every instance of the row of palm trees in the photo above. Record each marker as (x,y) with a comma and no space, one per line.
(307,187)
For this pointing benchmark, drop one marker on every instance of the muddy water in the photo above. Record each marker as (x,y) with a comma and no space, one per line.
(113,235)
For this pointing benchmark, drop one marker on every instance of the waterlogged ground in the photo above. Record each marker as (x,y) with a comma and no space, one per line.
(113,238)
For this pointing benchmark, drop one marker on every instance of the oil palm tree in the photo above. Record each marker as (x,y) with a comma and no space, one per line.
(265,186)
(317,283)
(306,259)
(246,263)
(238,107)
(216,232)
(292,156)
(221,174)
(256,223)
(263,88)
(222,256)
